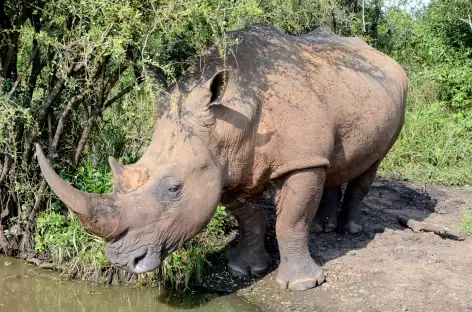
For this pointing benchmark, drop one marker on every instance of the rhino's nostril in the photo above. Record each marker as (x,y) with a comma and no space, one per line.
(137,260)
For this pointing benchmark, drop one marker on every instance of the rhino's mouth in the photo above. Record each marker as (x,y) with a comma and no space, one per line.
(145,260)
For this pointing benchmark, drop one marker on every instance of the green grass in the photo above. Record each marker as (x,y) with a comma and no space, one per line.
(434,147)
(61,239)
(466,222)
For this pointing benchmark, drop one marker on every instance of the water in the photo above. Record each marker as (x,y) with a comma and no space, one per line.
(25,288)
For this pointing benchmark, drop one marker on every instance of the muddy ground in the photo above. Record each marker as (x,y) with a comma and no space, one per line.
(397,270)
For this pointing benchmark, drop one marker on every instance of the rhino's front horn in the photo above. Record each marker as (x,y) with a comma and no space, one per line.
(98,213)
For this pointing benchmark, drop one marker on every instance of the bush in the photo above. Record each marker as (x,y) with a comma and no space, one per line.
(74,78)
(466,223)
(434,46)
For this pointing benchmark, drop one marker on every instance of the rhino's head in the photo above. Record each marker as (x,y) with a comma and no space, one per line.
(167,197)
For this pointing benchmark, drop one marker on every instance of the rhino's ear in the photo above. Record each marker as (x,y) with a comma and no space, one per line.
(222,87)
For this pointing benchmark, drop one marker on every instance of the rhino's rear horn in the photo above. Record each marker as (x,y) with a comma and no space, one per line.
(127,178)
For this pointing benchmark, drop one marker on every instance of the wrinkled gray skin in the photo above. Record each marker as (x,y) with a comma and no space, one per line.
(294,116)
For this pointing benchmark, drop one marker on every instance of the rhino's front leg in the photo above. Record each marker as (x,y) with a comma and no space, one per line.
(297,199)
(250,255)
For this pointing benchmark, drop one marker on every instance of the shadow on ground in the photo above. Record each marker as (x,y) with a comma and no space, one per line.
(385,202)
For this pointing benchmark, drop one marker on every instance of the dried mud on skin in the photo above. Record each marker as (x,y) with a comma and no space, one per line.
(397,270)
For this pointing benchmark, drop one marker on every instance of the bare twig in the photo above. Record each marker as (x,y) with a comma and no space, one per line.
(97,110)
(37,203)
(122,93)
(50,127)
(44,264)
(6,168)
(60,125)
(424,226)
(469,20)
(52,151)
(85,134)
(3,241)
(33,55)
(36,69)
(52,96)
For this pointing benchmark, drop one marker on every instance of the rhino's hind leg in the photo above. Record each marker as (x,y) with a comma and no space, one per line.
(350,218)
(250,255)
(326,218)
(297,199)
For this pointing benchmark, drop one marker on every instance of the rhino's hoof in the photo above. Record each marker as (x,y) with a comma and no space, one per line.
(245,261)
(317,227)
(353,227)
(330,227)
(300,277)
(327,227)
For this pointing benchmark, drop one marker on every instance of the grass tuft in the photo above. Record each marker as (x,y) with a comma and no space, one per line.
(466,221)
(434,147)
(62,240)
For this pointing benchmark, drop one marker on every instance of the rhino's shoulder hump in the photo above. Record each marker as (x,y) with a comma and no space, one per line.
(326,36)
(262,32)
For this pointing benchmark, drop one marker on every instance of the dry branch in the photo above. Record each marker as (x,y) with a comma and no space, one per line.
(423,226)
(122,93)
(106,87)
(468,20)
(6,168)
(38,202)
(60,125)
(3,241)
(33,56)
(85,134)
(44,264)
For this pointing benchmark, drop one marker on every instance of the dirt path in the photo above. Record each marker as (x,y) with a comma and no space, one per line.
(397,270)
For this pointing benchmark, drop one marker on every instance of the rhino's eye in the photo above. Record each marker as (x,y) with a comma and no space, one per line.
(174,188)
(173,192)
(170,189)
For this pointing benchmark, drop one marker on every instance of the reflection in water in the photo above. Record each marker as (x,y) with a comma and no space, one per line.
(24,287)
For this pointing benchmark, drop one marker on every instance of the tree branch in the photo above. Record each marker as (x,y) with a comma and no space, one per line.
(423,226)
(33,55)
(122,93)
(60,125)
(55,92)
(6,168)
(35,72)
(3,240)
(85,134)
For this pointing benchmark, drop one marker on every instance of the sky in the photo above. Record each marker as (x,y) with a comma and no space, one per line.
(407,4)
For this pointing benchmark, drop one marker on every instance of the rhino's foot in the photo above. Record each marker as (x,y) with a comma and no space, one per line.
(354,223)
(328,226)
(244,260)
(300,277)
(353,227)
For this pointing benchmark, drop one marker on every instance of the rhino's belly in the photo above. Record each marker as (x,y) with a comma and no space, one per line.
(353,155)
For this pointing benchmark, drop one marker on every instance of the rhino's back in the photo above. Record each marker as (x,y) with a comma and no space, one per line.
(325,100)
